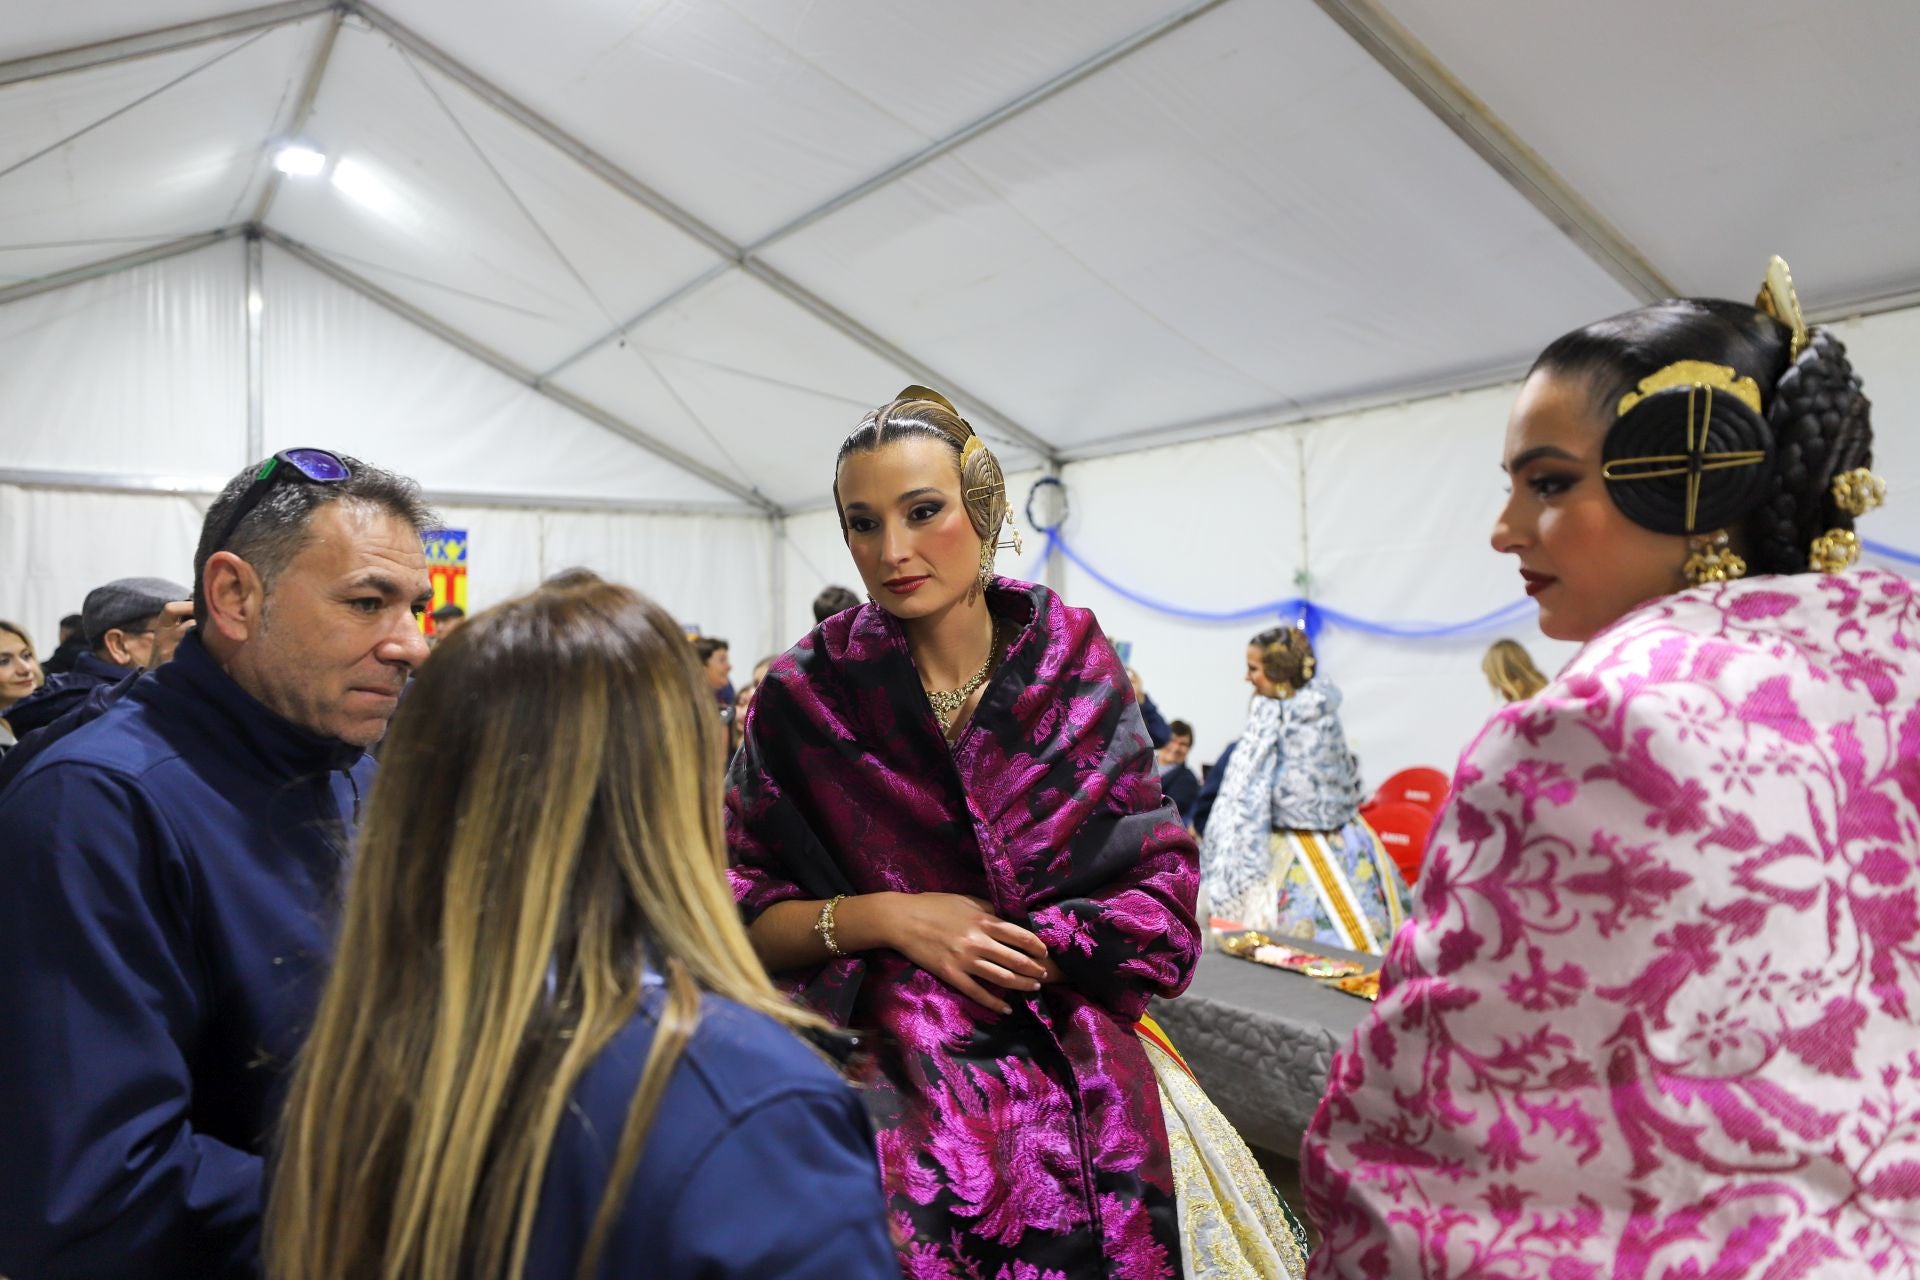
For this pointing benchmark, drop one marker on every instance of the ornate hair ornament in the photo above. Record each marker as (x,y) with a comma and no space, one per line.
(1692,373)
(1833,551)
(1858,491)
(974,444)
(1722,430)
(1779,299)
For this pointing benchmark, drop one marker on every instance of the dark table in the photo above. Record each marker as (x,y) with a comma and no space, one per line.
(1260,1040)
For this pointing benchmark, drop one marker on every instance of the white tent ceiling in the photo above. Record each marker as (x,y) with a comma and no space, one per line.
(714,230)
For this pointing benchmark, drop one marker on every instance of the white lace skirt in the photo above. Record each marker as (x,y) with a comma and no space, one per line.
(1232,1224)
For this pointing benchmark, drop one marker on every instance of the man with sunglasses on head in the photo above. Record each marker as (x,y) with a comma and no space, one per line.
(131,624)
(172,868)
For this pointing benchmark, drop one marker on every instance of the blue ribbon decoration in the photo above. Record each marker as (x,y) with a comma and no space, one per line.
(1891,553)
(1313,618)
(1302,612)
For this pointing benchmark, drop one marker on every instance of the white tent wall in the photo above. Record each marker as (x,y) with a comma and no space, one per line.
(1398,504)
(142,372)
(142,375)
(140,378)
(55,544)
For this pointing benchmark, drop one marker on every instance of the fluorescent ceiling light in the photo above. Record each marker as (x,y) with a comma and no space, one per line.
(361,184)
(299,162)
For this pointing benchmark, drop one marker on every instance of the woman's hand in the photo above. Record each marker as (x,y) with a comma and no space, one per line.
(960,941)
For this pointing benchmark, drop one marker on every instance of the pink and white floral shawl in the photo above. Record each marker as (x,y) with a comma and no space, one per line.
(1658,1012)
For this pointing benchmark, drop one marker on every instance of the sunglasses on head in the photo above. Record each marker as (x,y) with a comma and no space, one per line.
(314,466)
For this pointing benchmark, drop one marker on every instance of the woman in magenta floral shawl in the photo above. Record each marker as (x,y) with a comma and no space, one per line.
(1658,1011)
(1034,1136)
(1020,1128)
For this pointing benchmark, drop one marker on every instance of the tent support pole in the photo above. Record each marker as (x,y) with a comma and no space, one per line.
(501,364)
(165,40)
(113,266)
(256,390)
(1414,66)
(302,112)
(992,120)
(210,486)
(639,192)
(776,626)
(1054,572)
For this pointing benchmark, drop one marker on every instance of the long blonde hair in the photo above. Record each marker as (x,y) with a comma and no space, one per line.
(1510,670)
(546,824)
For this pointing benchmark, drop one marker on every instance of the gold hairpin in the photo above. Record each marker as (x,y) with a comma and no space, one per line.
(1701,380)
(1779,299)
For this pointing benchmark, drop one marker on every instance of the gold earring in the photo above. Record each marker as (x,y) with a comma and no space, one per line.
(1833,551)
(986,564)
(1712,560)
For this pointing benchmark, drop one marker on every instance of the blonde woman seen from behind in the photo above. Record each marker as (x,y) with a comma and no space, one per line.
(547,1049)
(1509,669)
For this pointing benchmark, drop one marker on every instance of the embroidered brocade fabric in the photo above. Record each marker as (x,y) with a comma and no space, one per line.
(1025,1146)
(1232,1224)
(1657,1013)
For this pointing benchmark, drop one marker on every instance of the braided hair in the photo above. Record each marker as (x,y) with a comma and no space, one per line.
(1814,422)
(921,411)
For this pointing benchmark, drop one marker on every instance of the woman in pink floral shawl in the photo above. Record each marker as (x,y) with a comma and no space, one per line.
(944,829)
(1658,1012)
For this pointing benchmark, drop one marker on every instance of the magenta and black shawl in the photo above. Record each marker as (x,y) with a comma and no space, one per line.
(1030,1145)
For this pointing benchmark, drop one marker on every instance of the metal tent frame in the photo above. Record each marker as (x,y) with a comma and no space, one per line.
(1370,26)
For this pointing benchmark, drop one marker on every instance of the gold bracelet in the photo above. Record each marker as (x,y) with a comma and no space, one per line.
(824,926)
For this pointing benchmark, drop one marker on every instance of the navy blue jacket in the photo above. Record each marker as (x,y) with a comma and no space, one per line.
(170,873)
(1159,732)
(760,1162)
(1182,786)
(62,693)
(1203,803)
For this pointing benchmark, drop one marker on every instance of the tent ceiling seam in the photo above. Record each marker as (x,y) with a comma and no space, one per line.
(210,487)
(1305,413)
(992,120)
(486,162)
(115,265)
(162,40)
(525,377)
(1040,93)
(634,189)
(137,103)
(302,112)
(1411,63)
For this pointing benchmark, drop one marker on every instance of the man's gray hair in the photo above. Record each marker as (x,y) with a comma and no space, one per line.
(275,531)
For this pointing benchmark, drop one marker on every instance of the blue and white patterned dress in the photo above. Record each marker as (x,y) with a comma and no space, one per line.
(1285,850)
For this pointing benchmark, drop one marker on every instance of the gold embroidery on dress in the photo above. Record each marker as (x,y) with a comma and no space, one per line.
(1232,1226)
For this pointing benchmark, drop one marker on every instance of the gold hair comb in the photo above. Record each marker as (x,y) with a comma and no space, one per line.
(1779,299)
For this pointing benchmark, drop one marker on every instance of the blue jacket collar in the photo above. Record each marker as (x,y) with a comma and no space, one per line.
(90,664)
(283,746)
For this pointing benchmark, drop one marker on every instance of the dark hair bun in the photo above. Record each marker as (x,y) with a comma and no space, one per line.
(1823,425)
(1658,427)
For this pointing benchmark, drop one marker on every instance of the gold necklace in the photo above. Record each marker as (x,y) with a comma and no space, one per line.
(946,704)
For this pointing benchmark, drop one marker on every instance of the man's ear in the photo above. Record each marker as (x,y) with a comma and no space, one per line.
(115,644)
(236,598)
